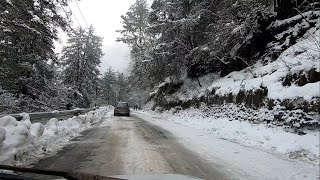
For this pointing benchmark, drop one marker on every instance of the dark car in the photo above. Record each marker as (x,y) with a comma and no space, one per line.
(122,109)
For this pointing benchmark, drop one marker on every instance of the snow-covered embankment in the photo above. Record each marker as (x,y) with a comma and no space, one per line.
(273,106)
(22,142)
(230,123)
(241,149)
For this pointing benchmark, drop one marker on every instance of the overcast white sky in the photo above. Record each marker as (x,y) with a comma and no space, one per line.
(104,15)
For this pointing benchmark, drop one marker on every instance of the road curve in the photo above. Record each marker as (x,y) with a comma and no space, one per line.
(129,146)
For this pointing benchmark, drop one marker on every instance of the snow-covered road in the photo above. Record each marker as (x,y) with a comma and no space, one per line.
(129,146)
(147,144)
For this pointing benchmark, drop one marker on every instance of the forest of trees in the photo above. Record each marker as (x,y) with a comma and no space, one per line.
(169,39)
(28,63)
(34,78)
(191,38)
(114,87)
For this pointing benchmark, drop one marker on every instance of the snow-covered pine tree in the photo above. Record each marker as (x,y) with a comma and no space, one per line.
(122,87)
(108,81)
(114,87)
(170,24)
(135,33)
(81,59)
(27,31)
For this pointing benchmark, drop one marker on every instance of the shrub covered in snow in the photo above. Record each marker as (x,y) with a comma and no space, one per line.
(7,102)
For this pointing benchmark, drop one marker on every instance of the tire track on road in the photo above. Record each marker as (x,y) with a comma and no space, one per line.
(181,160)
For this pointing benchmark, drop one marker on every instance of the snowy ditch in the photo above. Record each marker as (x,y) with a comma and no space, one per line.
(22,142)
(231,122)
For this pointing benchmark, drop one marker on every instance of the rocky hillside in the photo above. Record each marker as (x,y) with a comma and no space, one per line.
(291,82)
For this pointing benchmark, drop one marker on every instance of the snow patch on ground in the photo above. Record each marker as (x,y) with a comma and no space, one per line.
(22,142)
(213,140)
(190,87)
(273,139)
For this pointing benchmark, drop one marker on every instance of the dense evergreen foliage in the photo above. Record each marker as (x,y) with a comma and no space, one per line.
(169,40)
(27,34)
(80,60)
(114,88)
(34,78)
(192,38)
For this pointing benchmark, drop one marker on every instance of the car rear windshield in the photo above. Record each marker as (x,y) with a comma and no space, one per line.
(122,105)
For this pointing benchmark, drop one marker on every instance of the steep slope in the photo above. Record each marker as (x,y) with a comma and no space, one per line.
(291,82)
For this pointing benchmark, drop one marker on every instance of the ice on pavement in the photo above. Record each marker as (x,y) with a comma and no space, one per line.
(22,142)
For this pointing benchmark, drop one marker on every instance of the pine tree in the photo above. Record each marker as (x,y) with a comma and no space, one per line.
(122,87)
(108,87)
(27,33)
(171,26)
(114,87)
(136,34)
(81,58)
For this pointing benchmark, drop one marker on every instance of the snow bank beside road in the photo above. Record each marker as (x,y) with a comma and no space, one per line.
(263,136)
(22,142)
(238,161)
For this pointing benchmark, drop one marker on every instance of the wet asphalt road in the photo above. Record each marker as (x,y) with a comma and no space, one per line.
(129,146)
